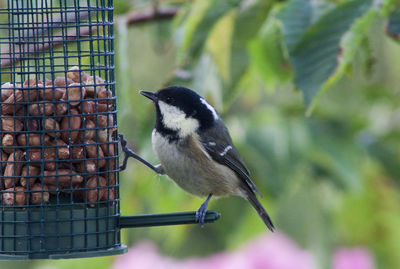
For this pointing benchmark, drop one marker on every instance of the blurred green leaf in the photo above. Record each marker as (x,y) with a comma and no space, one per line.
(267,55)
(121,6)
(339,159)
(295,17)
(352,42)
(219,44)
(319,8)
(248,22)
(199,22)
(302,214)
(371,212)
(315,57)
(207,80)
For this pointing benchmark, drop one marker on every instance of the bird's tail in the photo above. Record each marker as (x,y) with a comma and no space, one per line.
(261,211)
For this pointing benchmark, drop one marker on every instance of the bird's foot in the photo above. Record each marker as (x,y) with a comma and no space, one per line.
(202,211)
(200,215)
(129,153)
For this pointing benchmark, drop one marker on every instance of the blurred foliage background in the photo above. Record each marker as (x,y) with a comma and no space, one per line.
(310,92)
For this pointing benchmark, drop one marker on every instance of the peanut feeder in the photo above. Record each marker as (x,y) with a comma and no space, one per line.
(59,167)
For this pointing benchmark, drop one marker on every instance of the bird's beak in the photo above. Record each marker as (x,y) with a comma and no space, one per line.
(151,95)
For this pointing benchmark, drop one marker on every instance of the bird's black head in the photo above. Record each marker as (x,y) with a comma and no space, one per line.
(181,111)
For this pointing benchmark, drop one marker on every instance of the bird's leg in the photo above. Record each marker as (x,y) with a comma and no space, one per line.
(201,212)
(129,153)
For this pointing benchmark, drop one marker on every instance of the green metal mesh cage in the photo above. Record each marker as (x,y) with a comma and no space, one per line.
(59,159)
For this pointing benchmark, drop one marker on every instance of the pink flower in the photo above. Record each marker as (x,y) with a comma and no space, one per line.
(352,258)
(276,251)
(273,251)
(217,261)
(144,255)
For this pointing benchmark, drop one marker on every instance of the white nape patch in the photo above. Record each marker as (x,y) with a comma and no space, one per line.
(204,102)
(228,148)
(175,119)
(213,144)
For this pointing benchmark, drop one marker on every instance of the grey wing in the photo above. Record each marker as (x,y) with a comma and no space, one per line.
(218,144)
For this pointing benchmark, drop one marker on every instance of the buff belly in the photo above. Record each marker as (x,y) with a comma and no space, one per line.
(196,173)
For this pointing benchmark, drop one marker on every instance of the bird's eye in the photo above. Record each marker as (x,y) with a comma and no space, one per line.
(169,100)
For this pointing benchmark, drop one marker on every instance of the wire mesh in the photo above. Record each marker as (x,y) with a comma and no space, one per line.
(59,155)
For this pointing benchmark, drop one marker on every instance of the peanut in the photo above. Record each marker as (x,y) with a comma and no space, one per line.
(89,131)
(29,174)
(105,95)
(8,142)
(61,82)
(21,112)
(88,107)
(34,156)
(12,103)
(78,153)
(33,139)
(109,170)
(74,94)
(108,149)
(71,123)
(32,83)
(53,189)
(15,196)
(65,165)
(77,76)
(41,108)
(76,190)
(109,195)
(62,150)
(31,88)
(97,191)
(90,88)
(95,152)
(11,125)
(88,166)
(52,127)
(13,169)
(61,109)
(33,125)
(104,120)
(49,159)
(4,158)
(6,90)
(48,82)
(39,194)
(103,107)
(50,93)
(103,135)
(65,177)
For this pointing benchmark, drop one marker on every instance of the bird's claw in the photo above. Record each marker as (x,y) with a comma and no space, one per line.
(201,215)
(130,153)
(202,211)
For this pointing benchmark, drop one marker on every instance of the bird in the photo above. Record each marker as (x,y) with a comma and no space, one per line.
(195,150)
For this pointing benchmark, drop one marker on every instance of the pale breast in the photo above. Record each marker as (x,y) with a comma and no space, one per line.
(193,169)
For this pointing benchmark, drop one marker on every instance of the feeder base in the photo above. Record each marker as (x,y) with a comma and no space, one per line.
(75,255)
(52,232)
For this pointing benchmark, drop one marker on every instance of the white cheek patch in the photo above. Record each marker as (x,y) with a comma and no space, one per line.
(209,107)
(175,119)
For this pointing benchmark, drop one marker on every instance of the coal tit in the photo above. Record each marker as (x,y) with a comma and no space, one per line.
(196,150)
